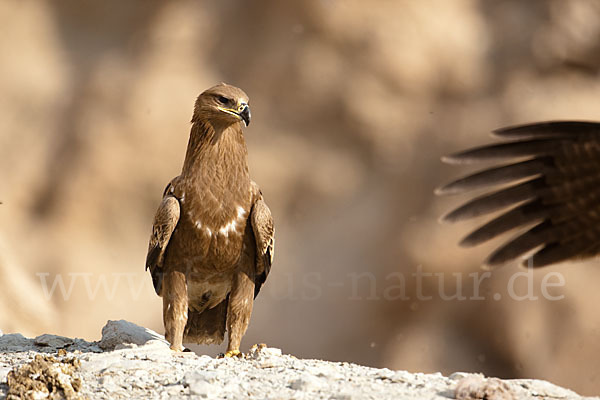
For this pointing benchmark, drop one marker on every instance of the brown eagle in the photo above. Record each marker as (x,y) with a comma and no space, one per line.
(547,184)
(212,239)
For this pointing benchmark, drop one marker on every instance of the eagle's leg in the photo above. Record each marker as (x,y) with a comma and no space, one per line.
(239,310)
(175,306)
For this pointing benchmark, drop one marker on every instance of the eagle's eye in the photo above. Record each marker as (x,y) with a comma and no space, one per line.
(223,99)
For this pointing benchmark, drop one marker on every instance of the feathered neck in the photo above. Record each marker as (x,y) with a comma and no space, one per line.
(213,146)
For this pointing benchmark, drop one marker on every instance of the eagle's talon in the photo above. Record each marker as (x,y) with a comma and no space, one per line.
(177,349)
(232,353)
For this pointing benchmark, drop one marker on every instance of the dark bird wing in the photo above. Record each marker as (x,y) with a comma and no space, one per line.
(548,178)
(165,221)
(264,234)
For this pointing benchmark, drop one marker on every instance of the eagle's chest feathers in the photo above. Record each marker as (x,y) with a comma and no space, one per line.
(219,216)
(218,228)
(215,197)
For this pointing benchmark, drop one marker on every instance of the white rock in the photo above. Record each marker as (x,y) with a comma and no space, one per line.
(459,375)
(307,383)
(341,396)
(271,352)
(4,373)
(108,383)
(176,390)
(202,389)
(544,389)
(261,350)
(201,384)
(123,332)
(152,371)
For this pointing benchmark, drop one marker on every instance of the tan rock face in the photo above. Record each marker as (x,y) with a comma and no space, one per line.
(352,107)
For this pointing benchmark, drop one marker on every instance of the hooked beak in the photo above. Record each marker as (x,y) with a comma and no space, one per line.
(245,114)
(242,112)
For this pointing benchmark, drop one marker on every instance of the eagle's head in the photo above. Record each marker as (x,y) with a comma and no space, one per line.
(222,104)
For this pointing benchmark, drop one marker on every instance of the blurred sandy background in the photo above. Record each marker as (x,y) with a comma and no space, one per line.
(353,104)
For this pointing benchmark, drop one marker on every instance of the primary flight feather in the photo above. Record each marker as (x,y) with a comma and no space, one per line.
(548,181)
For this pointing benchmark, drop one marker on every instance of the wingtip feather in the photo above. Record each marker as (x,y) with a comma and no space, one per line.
(440,190)
(454,158)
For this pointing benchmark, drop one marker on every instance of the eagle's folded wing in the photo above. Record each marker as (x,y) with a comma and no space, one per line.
(165,221)
(549,177)
(264,234)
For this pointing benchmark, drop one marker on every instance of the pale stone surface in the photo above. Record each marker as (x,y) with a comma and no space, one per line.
(115,334)
(143,366)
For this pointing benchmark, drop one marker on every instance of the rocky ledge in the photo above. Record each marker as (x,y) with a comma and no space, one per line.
(134,362)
